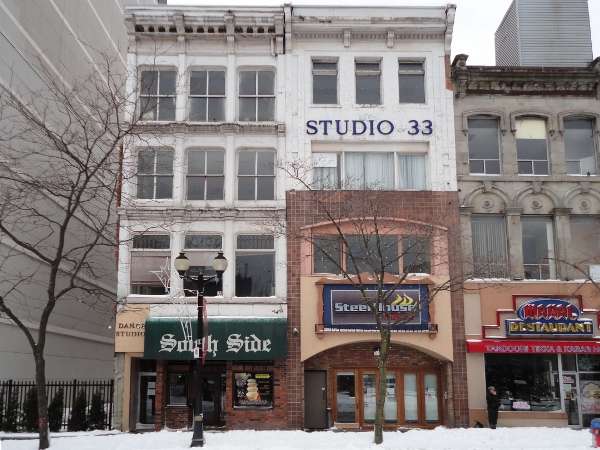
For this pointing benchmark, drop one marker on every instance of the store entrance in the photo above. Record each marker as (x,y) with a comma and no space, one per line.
(412,398)
(213,395)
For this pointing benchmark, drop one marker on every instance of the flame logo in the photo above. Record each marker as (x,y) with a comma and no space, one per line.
(403,300)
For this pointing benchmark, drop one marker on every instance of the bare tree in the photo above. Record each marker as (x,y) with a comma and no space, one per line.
(375,245)
(59,178)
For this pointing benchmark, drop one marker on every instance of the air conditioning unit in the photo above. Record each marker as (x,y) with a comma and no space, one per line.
(595,272)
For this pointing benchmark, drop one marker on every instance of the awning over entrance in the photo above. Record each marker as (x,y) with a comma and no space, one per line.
(229,338)
(531,346)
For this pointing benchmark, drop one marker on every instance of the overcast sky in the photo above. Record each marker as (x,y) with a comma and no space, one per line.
(476,20)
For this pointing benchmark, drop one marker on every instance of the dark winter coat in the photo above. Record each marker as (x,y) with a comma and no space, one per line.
(493,401)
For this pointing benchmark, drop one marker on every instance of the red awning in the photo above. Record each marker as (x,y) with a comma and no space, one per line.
(532,346)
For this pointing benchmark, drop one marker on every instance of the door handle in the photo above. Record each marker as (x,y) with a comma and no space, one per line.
(324,395)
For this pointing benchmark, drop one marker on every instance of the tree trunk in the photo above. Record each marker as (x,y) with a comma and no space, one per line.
(381,387)
(40,379)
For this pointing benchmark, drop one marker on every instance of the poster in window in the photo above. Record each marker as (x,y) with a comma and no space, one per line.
(253,390)
(590,397)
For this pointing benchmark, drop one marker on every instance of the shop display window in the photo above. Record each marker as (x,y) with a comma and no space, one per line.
(178,388)
(524,382)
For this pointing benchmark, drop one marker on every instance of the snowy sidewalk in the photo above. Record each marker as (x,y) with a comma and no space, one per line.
(440,438)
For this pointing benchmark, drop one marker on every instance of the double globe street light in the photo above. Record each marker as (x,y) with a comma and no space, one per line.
(182,264)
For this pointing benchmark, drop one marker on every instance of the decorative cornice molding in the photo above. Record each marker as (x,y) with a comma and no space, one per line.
(211,128)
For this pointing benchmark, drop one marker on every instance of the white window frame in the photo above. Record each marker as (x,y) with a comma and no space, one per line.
(155,174)
(257,96)
(256,176)
(208,96)
(325,72)
(533,161)
(206,176)
(593,167)
(367,72)
(154,114)
(486,161)
(405,72)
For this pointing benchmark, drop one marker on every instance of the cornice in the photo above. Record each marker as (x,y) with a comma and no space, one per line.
(173,215)
(210,128)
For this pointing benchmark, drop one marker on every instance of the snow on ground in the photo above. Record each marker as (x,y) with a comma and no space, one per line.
(440,438)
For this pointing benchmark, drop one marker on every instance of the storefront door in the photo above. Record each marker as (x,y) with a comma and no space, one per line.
(411,398)
(213,395)
(315,399)
(146,397)
(571,397)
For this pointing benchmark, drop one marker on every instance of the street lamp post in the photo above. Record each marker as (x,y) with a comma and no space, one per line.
(182,264)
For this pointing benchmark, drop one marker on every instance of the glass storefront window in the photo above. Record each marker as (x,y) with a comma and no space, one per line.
(346,409)
(391,405)
(524,382)
(411,409)
(431,398)
(588,363)
(369,397)
(178,389)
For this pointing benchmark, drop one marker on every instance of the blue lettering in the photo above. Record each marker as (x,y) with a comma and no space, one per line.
(325,122)
(337,127)
(311,127)
(354,130)
(391,129)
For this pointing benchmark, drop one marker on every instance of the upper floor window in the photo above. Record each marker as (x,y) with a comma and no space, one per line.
(484,150)
(255,266)
(538,247)
(368,82)
(256,175)
(257,95)
(585,241)
(490,253)
(372,170)
(325,78)
(150,252)
(205,175)
(370,253)
(207,96)
(416,256)
(201,249)
(532,149)
(580,147)
(158,95)
(155,174)
(411,81)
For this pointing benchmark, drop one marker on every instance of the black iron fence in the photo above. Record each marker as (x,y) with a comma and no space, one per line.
(71,389)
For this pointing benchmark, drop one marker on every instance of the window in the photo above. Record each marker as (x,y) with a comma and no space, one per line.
(157,95)
(538,248)
(532,152)
(585,240)
(416,255)
(580,148)
(411,81)
(207,96)
(524,379)
(490,254)
(326,254)
(155,174)
(205,175)
(368,85)
(372,254)
(325,74)
(149,253)
(201,250)
(257,96)
(178,388)
(369,171)
(256,175)
(255,266)
(484,151)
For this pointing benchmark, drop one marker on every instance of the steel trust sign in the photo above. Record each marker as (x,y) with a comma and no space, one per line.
(549,316)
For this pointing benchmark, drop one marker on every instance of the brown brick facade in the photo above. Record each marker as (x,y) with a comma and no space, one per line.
(429,207)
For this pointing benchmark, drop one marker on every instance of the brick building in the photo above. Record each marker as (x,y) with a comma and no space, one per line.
(231,98)
(527,163)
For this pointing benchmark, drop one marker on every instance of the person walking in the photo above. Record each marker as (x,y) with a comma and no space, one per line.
(493,405)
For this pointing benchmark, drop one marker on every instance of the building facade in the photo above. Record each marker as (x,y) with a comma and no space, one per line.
(64,42)
(231,100)
(527,164)
(545,33)
(199,180)
(370,108)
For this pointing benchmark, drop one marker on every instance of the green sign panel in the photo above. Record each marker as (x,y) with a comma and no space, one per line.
(228,339)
